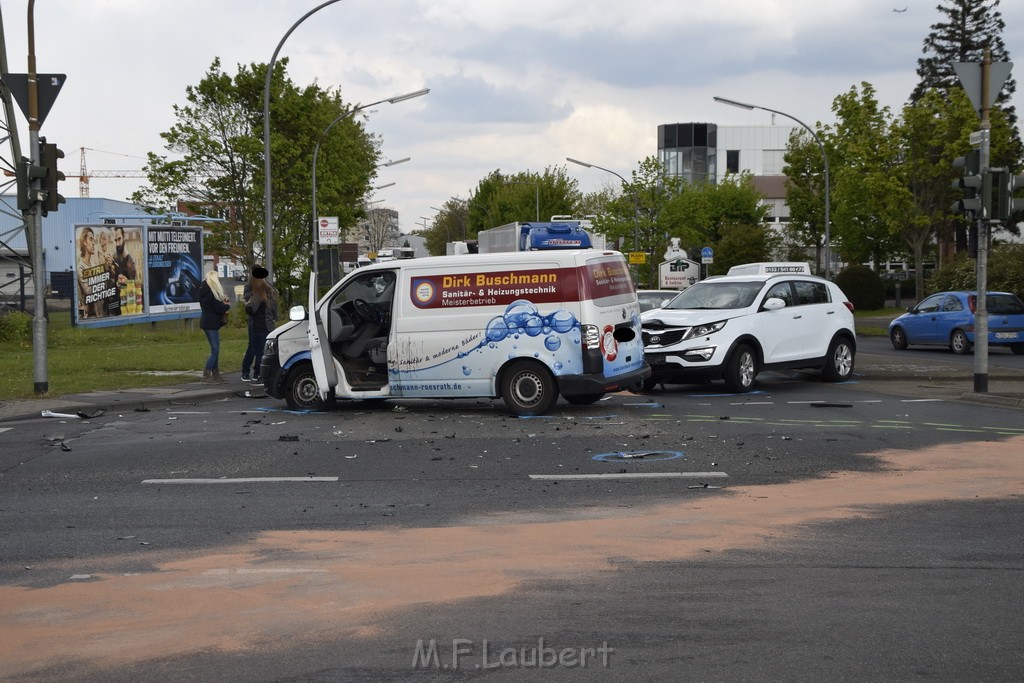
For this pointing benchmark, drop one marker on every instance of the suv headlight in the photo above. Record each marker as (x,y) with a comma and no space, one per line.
(270,348)
(704,330)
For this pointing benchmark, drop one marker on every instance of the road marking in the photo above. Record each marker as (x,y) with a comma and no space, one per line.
(634,475)
(921,400)
(240,480)
(6,429)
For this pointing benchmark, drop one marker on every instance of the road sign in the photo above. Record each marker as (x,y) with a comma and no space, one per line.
(707,255)
(48,86)
(637,257)
(328,226)
(969,74)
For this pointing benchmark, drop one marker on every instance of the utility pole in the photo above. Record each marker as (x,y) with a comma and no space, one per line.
(41,382)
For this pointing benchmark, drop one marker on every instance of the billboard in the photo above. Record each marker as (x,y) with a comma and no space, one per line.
(175,267)
(110,283)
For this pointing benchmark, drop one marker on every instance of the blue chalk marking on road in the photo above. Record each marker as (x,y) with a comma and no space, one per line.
(638,456)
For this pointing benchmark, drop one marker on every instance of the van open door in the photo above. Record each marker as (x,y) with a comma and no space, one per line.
(320,353)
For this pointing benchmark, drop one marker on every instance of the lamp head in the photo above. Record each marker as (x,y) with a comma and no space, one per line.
(581,163)
(734,103)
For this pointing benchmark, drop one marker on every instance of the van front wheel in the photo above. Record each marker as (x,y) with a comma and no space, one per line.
(528,389)
(302,389)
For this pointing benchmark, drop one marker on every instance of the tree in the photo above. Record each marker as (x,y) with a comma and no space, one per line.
(969,27)
(217,165)
(379,229)
(450,225)
(870,198)
(805,194)
(522,197)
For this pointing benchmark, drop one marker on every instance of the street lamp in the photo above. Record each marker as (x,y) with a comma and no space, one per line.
(636,200)
(268,218)
(824,158)
(316,152)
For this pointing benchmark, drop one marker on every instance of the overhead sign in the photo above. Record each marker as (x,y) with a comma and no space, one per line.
(328,227)
(969,74)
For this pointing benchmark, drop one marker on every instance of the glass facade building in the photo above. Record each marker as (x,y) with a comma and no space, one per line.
(689,150)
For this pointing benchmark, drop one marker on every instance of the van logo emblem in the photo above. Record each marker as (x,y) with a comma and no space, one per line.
(655,340)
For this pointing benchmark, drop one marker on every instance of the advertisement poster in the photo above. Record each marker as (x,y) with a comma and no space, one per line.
(175,265)
(110,282)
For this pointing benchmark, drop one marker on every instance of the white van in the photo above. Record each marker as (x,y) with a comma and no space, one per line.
(525,327)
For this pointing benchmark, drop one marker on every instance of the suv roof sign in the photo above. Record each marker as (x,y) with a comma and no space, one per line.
(773,268)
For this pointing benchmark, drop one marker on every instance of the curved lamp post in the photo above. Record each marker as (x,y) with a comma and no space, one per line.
(316,152)
(824,158)
(636,201)
(268,227)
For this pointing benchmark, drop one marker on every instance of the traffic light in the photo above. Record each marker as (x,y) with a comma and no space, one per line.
(1005,204)
(972,183)
(25,172)
(48,155)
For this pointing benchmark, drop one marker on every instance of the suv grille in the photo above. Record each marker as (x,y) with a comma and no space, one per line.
(659,337)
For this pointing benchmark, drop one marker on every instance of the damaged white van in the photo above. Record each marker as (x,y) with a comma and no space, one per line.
(524,327)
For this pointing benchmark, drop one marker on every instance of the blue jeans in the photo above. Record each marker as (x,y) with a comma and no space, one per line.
(213,336)
(254,352)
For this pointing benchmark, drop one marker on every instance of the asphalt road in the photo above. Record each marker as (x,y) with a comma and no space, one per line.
(806,531)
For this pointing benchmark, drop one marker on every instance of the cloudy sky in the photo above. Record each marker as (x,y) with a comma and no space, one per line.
(515,85)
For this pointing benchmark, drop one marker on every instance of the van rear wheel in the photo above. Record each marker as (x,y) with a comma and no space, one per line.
(528,389)
(303,393)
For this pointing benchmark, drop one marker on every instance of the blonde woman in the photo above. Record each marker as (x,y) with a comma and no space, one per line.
(214,305)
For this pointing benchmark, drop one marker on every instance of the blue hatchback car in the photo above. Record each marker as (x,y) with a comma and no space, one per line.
(947,319)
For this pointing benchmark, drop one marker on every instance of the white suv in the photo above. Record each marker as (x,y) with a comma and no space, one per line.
(761,316)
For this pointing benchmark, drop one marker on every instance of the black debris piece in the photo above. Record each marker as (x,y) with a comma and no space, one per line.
(288,437)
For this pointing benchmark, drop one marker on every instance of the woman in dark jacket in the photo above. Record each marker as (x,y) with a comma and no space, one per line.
(214,306)
(261,305)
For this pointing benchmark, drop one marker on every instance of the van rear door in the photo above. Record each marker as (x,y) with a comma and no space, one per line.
(320,352)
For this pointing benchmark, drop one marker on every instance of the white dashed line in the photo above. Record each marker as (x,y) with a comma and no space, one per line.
(240,480)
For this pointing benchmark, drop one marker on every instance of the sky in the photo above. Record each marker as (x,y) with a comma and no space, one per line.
(514,85)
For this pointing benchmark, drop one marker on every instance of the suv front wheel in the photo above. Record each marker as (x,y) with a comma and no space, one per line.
(839,361)
(741,370)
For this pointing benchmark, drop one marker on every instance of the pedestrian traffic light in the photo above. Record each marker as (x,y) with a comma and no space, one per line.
(971,182)
(48,155)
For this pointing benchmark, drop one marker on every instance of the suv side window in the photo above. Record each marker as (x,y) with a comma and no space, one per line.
(780,290)
(811,293)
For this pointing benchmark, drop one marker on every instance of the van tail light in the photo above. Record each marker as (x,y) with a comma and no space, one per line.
(972,303)
(849,304)
(590,336)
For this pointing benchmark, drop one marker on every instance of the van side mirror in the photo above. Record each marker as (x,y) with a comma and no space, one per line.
(297,313)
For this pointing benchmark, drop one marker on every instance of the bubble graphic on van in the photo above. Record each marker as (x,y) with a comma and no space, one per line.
(497,329)
(467,371)
(552,343)
(562,320)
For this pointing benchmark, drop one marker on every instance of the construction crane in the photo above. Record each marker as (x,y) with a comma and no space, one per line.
(84,174)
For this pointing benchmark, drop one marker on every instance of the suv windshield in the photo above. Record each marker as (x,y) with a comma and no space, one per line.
(717,295)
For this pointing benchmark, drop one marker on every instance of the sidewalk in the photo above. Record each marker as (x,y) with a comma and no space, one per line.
(904,376)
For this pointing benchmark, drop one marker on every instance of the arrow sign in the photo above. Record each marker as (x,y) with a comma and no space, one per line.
(969,74)
(48,88)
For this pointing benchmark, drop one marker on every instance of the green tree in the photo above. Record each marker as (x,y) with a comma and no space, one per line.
(450,225)
(805,195)
(869,197)
(215,165)
(522,197)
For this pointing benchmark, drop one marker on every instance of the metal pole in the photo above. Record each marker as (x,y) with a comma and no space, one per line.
(981,311)
(35,221)
(636,200)
(268,226)
(824,157)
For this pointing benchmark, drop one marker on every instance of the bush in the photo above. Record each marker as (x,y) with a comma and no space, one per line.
(1005,272)
(16,327)
(864,287)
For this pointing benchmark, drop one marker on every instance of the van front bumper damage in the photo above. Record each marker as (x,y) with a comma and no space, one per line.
(587,385)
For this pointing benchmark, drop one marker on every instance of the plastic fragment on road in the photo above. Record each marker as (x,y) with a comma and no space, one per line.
(50,413)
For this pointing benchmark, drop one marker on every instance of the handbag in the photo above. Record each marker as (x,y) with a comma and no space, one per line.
(223,319)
